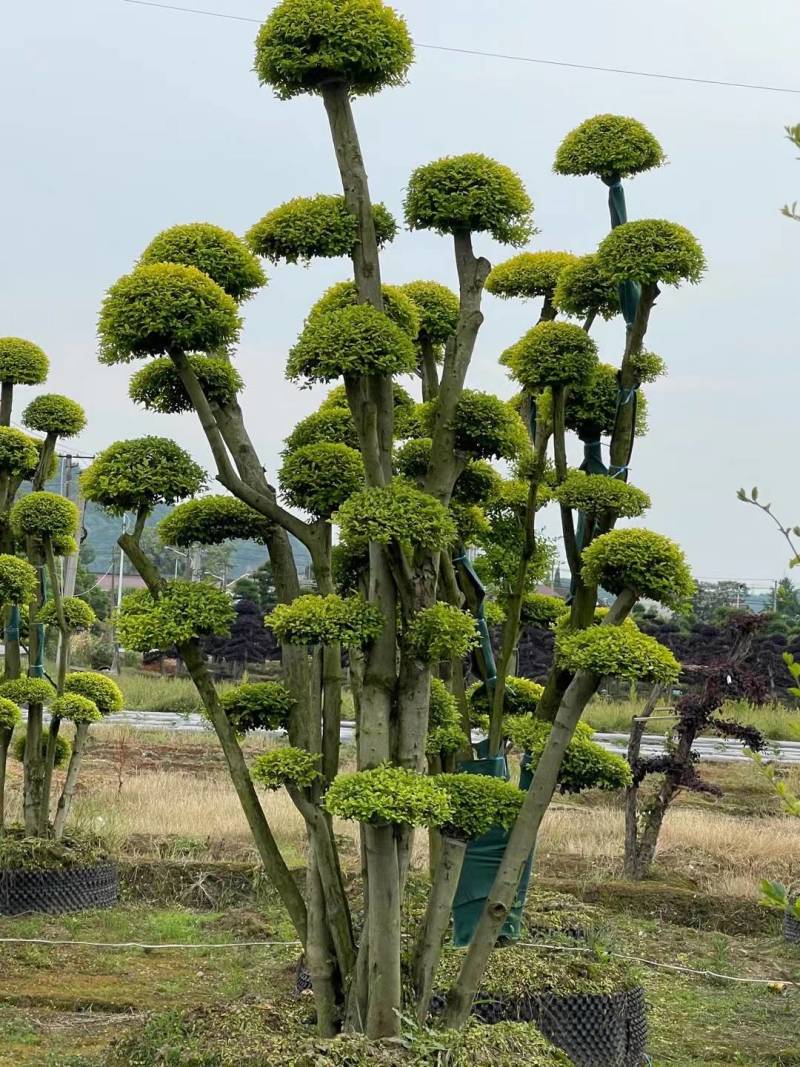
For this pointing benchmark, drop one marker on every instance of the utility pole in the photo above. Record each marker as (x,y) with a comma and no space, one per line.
(116,662)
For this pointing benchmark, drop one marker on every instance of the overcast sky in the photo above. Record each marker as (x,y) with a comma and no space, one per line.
(121,120)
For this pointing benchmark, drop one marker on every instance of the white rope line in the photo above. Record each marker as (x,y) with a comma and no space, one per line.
(139,944)
(664,966)
(273,944)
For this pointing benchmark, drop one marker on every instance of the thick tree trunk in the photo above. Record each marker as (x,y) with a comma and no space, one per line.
(47,781)
(437,918)
(428,370)
(12,658)
(413,706)
(631,866)
(319,956)
(32,771)
(71,781)
(331,881)
(63,666)
(5,741)
(6,403)
(385,992)
(331,710)
(472,274)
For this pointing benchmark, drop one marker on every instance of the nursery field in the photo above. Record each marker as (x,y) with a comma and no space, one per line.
(192,883)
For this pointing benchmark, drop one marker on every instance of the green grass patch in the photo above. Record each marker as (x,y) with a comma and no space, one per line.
(777,722)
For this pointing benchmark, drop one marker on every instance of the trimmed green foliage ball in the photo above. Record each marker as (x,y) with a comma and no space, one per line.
(18,580)
(19,454)
(485,426)
(320,478)
(650,251)
(286,767)
(583,289)
(62,753)
(43,515)
(51,413)
(586,764)
(413,421)
(553,353)
(314,227)
(443,707)
(397,306)
(22,362)
(617,651)
(396,512)
(478,483)
(521,696)
(437,307)
(77,613)
(10,716)
(591,406)
(609,146)
(76,708)
(529,274)
(388,795)
(140,474)
(337,398)
(442,632)
(354,340)
(477,803)
(597,494)
(184,610)
(444,740)
(469,194)
(313,619)
(350,567)
(165,308)
(541,611)
(157,385)
(64,545)
(413,457)
(212,520)
(220,254)
(649,563)
(471,522)
(306,43)
(329,425)
(647,366)
(25,691)
(257,706)
(445,730)
(99,688)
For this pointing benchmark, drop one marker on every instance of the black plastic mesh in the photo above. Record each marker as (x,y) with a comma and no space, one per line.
(69,889)
(791,929)
(594,1029)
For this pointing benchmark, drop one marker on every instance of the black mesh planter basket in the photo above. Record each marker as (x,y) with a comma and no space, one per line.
(791,928)
(594,1029)
(59,890)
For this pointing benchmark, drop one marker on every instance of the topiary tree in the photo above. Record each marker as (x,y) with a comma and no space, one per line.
(402,597)
(40,526)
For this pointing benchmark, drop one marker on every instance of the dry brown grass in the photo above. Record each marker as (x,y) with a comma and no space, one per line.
(722,854)
(719,853)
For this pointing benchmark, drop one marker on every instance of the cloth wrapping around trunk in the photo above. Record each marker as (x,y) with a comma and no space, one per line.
(481,863)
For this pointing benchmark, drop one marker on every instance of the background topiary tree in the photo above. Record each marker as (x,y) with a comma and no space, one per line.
(42,527)
(399,592)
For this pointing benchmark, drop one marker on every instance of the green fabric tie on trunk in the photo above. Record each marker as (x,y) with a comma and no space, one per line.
(483,858)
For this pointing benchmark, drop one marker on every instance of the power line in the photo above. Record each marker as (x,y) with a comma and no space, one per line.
(505,56)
